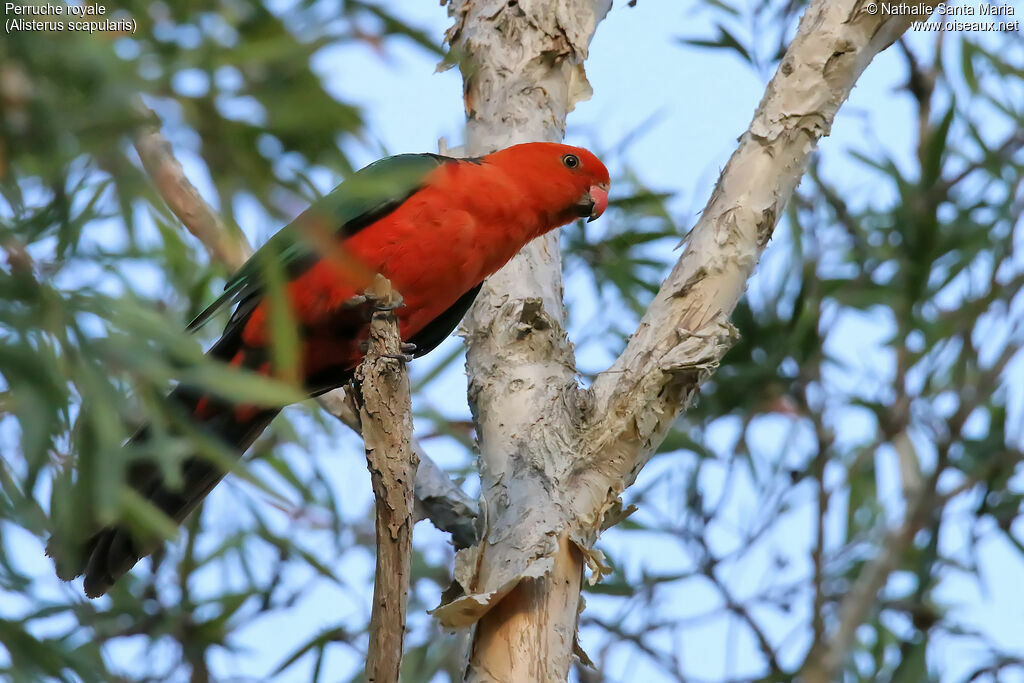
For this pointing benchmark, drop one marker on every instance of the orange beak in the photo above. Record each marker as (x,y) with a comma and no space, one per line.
(598,201)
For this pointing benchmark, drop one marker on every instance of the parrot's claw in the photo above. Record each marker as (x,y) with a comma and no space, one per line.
(385,306)
(378,304)
(408,347)
(401,357)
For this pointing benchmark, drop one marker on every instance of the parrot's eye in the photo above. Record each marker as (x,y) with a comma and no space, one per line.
(571,161)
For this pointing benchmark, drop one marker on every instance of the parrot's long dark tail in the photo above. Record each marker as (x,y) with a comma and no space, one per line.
(111,552)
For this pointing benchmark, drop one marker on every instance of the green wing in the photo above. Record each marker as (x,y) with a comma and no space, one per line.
(365,197)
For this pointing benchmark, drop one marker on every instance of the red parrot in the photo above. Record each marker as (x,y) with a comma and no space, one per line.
(435,226)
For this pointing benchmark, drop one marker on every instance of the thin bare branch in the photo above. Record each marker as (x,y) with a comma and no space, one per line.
(438,498)
(385,415)
(825,659)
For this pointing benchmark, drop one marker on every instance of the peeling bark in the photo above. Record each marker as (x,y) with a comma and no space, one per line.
(523,72)
(547,607)
(553,459)
(384,403)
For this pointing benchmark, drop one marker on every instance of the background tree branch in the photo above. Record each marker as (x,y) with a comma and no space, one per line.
(225,245)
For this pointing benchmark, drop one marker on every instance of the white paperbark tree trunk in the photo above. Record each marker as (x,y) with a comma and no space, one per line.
(523,72)
(554,459)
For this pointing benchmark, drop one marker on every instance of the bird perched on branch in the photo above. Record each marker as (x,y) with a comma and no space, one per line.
(432,225)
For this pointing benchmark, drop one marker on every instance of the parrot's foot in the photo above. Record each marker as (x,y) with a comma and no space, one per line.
(379,305)
(408,347)
(388,302)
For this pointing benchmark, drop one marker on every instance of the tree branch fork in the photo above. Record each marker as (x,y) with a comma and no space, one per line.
(555,458)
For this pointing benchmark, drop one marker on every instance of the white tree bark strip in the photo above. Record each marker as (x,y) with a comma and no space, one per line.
(442,502)
(438,498)
(685,332)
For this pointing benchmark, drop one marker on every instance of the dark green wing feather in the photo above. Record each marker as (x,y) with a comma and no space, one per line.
(365,197)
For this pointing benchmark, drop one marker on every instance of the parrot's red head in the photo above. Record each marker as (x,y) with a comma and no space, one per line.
(566,182)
